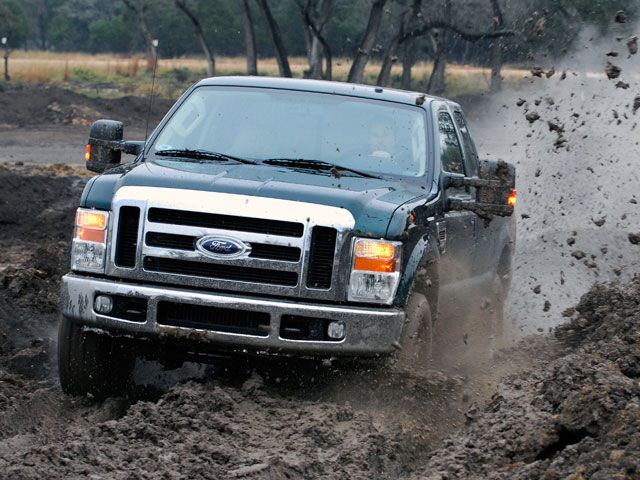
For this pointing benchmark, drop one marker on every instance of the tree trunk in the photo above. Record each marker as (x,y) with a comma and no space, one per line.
(356,73)
(276,37)
(211,61)
(139,8)
(316,16)
(315,58)
(249,38)
(384,77)
(408,59)
(496,48)
(408,54)
(437,83)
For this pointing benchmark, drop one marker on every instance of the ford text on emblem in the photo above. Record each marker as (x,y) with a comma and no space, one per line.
(219,247)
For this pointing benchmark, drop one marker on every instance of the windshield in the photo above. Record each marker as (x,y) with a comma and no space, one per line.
(261,124)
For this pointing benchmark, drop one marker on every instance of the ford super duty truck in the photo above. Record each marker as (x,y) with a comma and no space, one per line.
(280,216)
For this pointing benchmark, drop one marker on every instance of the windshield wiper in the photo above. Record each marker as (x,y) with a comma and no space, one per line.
(199,154)
(315,165)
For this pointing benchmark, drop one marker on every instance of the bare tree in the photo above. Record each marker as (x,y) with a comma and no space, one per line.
(356,72)
(408,53)
(390,57)
(437,83)
(208,53)
(440,31)
(315,16)
(496,48)
(139,7)
(249,38)
(276,38)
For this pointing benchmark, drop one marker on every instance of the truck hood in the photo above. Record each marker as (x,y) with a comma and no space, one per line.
(371,201)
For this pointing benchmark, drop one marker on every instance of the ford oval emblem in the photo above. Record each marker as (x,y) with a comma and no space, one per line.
(222,247)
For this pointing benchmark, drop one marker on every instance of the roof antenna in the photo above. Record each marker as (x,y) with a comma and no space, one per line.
(155,43)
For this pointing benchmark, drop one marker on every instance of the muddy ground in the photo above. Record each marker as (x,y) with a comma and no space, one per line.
(46,124)
(560,404)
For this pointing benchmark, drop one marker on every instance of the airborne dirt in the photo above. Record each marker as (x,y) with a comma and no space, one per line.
(560,405)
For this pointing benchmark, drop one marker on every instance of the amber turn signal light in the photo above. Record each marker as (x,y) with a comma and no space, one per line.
(90,235)
(94,220)
(375,249)
(512,199)
(374,265)
(87,155)
(376,256)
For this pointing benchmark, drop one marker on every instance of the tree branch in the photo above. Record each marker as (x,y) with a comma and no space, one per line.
(471,37)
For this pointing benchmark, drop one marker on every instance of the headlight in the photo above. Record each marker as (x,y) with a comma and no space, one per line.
(375,272)
(89,247)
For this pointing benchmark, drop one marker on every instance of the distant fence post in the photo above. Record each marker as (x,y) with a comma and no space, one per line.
(6,58)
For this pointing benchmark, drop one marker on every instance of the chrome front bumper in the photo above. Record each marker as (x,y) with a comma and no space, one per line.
(368,330)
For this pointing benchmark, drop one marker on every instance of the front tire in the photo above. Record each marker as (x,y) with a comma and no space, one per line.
(92,363)
(417,335)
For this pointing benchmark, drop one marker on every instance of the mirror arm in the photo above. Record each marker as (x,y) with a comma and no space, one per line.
(485,211)
(455,180)
(128,147)
(132,147)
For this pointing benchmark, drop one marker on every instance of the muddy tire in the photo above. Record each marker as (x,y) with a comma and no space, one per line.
(90,363)
(417,334)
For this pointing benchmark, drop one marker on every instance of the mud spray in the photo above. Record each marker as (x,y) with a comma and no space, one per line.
(559,405)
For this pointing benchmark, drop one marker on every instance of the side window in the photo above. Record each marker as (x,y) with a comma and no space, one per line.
(467,143)
(450,151)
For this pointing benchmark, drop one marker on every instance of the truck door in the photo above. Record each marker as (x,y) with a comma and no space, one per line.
(487,234)
(458,259)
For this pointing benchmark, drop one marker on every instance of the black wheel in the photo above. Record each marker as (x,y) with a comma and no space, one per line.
(417,335)
(92,363)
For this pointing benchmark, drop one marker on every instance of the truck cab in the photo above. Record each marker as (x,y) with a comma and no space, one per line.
(280,216)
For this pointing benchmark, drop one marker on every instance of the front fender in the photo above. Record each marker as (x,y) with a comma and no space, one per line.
(420,269)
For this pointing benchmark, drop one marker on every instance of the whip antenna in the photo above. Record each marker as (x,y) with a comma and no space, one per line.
(153,83)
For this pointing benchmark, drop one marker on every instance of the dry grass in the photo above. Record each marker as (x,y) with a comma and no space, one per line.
(109,74)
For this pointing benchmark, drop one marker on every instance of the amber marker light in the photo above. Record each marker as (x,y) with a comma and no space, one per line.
(89,235)
(93,220)
(375,256)
(87,155)
(513,198)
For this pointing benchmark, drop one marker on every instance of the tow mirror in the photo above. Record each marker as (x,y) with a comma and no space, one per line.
(495,189)
(105,146)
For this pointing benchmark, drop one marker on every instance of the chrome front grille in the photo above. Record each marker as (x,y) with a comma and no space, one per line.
(295,247)
(258,250)
(225,222)
(217,271)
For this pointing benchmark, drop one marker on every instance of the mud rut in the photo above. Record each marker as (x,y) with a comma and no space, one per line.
(550,406)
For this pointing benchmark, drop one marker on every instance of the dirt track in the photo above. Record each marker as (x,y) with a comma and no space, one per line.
(568,404)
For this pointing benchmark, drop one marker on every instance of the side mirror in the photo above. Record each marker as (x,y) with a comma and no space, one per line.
(105,146)
(495,189)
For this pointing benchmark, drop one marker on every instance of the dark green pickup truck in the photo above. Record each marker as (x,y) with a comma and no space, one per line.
(273,216)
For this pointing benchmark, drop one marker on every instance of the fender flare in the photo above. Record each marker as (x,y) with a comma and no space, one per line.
(421,272)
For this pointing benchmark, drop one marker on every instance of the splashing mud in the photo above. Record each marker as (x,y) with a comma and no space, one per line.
(577,180)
